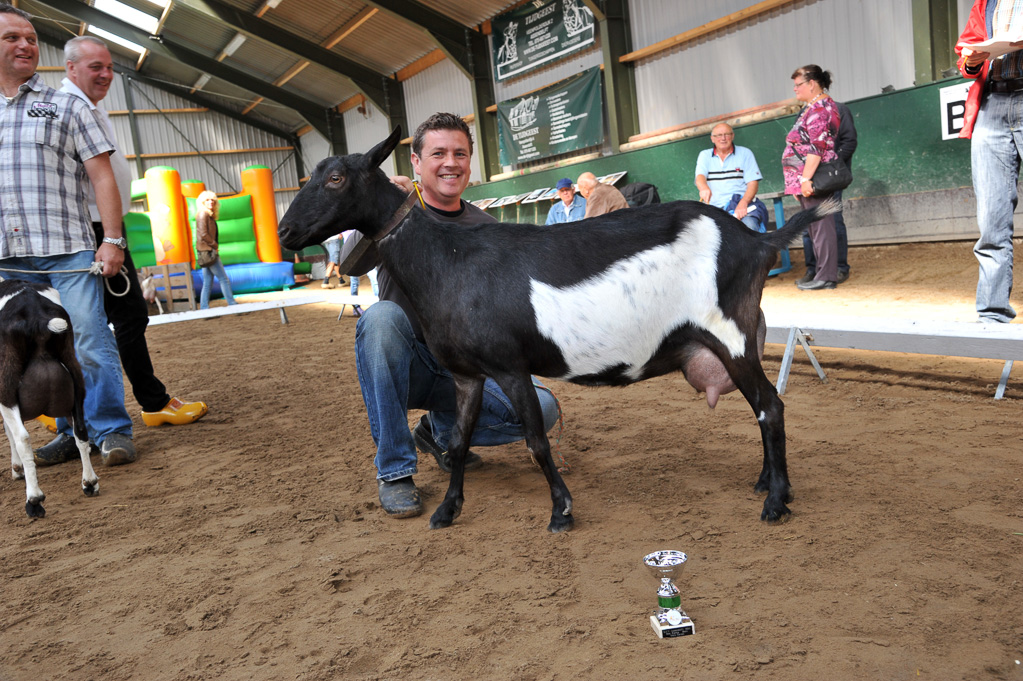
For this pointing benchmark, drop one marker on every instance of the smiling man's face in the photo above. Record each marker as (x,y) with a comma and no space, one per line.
(19,55)
(443,168)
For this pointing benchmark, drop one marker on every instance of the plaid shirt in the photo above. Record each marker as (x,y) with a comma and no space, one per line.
(1007,20)
(45,137)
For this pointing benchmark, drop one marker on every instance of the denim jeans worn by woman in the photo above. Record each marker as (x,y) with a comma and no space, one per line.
(397,372)
(81,294)
(217,268)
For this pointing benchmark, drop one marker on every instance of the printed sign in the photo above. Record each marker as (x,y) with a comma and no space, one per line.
(953,109)
(562,118)
(539,32)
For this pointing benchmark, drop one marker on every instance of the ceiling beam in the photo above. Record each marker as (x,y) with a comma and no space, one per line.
(182,92)
(456,40)
(365,79)
(313,112)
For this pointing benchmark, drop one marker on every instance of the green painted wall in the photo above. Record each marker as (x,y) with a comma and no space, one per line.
(900,152)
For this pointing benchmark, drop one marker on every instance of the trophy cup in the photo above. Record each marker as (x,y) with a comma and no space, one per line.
(670,620)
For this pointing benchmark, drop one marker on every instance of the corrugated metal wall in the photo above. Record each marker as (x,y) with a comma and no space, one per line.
(365,130)
(866,45)
(442,87)
(172,133)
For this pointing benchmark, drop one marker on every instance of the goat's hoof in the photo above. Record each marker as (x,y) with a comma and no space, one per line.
(35,509)
(91,489)
(776,514)
(439,520)
(560,523)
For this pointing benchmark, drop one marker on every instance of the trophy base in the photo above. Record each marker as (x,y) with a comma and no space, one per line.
(683,628)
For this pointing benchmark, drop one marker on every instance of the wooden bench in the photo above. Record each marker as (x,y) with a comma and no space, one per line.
(949,339)
(240,308)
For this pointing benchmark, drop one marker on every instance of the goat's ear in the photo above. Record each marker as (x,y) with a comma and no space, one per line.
(380,152)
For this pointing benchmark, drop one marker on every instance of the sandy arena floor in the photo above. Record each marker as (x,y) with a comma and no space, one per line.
(250,546)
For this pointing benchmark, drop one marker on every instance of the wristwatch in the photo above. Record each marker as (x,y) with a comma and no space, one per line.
(119,242)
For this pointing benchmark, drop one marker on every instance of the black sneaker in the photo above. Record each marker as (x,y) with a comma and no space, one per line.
(426,443)
(400,498)
(843,276)
(117,449)
(806,278)
(60,449)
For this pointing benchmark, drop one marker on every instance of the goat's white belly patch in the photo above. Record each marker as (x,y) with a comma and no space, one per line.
(620,316)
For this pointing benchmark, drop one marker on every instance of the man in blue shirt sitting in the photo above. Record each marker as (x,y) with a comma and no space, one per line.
(728,176)
(572,206)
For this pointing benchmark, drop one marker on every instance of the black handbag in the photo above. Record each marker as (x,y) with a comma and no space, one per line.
(831,177)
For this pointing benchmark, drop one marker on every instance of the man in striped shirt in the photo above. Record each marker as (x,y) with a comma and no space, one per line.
(49,143)
(727,175)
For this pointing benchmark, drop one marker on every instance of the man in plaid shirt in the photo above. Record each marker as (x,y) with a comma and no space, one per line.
(49,143)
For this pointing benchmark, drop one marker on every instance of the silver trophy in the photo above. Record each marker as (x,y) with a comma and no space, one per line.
(670,619)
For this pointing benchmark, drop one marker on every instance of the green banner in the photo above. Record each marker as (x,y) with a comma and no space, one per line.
(539,32)
(564,117)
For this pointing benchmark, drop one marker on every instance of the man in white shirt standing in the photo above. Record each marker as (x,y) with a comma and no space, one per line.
(90,71)
(572,206)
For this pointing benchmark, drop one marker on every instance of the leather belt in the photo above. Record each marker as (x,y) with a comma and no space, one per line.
(1014,85)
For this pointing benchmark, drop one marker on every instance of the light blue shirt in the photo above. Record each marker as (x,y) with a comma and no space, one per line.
(576,211)
(729,175)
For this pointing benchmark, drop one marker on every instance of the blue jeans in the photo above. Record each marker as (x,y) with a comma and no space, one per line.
(354,287)
(81,294)
(217,268)
(397,372)
(843,244)
(995,152)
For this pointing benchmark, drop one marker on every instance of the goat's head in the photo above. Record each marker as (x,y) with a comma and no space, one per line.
(343,192)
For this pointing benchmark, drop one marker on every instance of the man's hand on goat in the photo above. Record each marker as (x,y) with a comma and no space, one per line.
(403,182)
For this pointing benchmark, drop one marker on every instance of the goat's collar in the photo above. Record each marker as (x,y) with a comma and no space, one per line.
(403,210)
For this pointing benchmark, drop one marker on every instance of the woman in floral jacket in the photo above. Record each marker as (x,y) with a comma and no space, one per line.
(810,143)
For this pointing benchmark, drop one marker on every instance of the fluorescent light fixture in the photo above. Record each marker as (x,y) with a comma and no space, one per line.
(128,14)
(203,79)
(271,4)
(160,3)
(235,43)
(110,37)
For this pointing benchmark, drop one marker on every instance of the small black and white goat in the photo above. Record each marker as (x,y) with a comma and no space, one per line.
(39,374)
(607,301)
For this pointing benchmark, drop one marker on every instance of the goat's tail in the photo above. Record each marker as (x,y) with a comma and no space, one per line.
(799,222)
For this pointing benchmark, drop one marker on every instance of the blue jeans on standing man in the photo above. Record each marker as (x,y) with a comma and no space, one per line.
(81,294)
(397,372)
(217,268)
(996,148)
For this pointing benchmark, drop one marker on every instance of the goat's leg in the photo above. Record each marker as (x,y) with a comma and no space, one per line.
(770,412)
(21,447)
(519,389)
(468,398)
(90,481)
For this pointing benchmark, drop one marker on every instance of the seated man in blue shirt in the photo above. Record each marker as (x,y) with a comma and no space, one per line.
(728,176)
(572,206)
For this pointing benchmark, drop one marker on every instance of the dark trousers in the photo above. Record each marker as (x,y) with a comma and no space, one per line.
(130,316)
(843,244)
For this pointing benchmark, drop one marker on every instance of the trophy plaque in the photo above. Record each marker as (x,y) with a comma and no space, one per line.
(670,619)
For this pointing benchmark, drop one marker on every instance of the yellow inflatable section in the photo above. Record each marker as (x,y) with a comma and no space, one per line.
(168,212)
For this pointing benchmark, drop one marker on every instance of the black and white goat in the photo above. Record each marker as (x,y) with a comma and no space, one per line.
(39,374)
(607,301)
